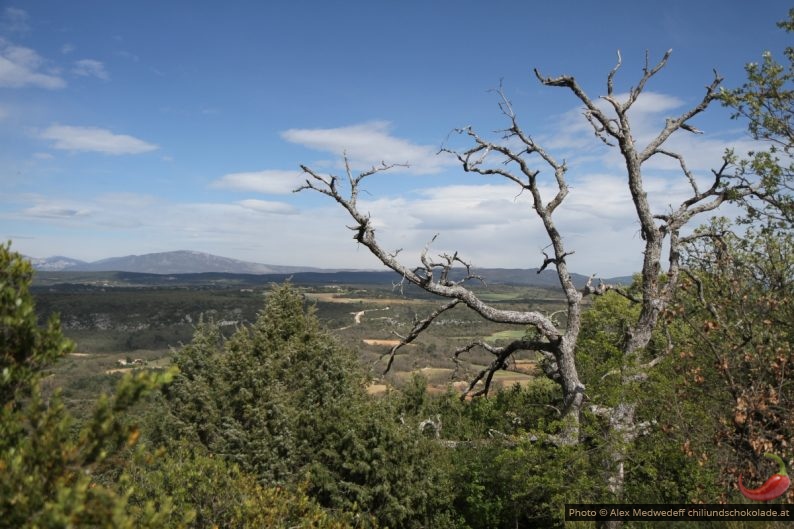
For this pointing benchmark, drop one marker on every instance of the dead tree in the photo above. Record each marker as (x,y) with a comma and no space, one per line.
(513,158)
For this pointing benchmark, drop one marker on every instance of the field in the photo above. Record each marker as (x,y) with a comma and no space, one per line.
(121,326)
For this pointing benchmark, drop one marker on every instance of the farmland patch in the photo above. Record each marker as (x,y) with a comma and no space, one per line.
(387,343)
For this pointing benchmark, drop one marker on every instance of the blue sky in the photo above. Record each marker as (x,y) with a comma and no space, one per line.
(137,127)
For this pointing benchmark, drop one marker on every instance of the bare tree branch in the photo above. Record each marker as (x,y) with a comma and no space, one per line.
(682,163)
(417,329)
(611,76)
(551,260)
(501,355)
(602,288)
(515,157)
(365,234)
(673,125)
(646,75)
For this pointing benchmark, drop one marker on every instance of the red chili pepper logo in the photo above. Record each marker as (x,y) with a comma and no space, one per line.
(773,488)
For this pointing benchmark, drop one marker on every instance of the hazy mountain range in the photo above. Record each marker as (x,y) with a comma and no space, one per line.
(179,262)
(188,262)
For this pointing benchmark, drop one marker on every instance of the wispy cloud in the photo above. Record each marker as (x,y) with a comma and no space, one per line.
(54,211)
(489,224)
(369,144)
(266,182)
(90,68)
(20,67)
(650,103)
(94,139)
(128,55)
(250,229)
(15,20)
(67,48)
(266,206)
(573,139)
(572,131)
(494,225)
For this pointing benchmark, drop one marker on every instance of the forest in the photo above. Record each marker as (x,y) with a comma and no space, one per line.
(664,391)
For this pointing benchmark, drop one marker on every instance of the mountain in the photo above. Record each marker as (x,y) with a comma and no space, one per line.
(187,262)
(56,263)
(179,262)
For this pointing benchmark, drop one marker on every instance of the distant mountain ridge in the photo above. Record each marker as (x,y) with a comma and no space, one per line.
(177,262)
(189,262)
(56,263)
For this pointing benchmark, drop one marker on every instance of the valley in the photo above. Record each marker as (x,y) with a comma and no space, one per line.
(121,322)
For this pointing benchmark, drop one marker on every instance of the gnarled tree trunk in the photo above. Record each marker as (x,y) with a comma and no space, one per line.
(513,159)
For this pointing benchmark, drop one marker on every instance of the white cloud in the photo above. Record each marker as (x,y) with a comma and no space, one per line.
(369,144)
(487,220)
(649,103)
(702,154)
(492,225)
(67,48)
(120,224)
(94,139)
(90,68)
(54,211)
(489,224)
(266,206)
(15,20)
(464,207)
(267,182)
(573,139)
(573,131)
(127,200)
(20,67)
(43,156)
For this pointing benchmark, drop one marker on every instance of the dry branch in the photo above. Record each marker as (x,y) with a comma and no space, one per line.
(514,158)
(417,329)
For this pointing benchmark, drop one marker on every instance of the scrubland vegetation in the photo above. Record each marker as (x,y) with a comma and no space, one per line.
(267,423)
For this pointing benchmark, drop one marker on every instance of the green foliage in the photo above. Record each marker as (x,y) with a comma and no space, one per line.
(766,100)
(598,352)
(767,97)
(604,369)
(735,356)
(46,470)
(507,471)
(286,403)
(660,463)
(665,467)
(25,349)
(521,484)
(210,492)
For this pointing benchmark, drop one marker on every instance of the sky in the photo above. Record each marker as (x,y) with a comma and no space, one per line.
(149,126)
